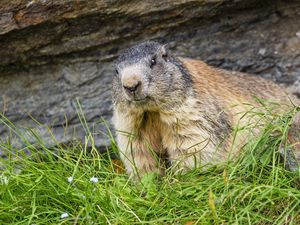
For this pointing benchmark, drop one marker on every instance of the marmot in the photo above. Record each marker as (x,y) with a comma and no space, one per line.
(179,108)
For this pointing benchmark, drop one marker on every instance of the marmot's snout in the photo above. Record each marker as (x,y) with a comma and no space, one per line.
(132,84)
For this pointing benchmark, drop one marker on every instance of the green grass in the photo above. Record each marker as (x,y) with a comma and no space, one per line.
(254,189)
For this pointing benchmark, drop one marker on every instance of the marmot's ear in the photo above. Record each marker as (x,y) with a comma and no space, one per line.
(164,52)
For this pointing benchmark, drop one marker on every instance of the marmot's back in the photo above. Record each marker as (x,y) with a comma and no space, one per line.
(239,86)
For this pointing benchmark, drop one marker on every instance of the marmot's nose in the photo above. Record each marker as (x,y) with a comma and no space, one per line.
(133,87)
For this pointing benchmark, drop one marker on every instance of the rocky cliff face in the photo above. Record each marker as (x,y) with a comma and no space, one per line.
(55,53)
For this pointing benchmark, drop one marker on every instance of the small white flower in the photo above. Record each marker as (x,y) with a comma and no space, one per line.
(94,179)
(70,179)
(64,215)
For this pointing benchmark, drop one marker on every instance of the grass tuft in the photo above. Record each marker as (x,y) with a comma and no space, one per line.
(77,185)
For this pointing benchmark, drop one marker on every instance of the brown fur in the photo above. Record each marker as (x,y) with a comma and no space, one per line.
(197,128)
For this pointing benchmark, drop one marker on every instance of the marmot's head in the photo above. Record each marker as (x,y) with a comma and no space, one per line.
(149,76)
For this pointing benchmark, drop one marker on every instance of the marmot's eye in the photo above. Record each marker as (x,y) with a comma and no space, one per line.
(117,72)
(153,62)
